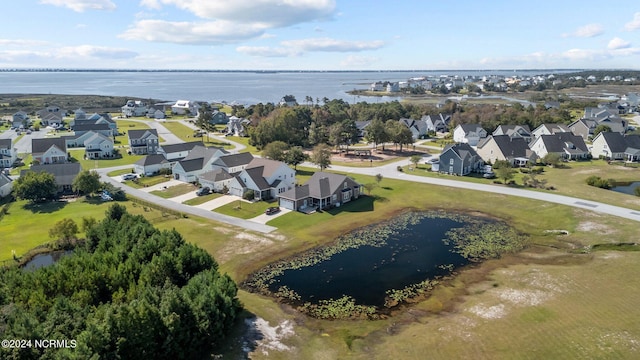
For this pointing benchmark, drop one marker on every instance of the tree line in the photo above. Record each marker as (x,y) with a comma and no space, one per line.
(334,122)
(130,291)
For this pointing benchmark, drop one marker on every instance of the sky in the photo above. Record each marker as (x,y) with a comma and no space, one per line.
(320,34)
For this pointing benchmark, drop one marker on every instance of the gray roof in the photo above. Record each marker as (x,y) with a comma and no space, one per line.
(192,164)
(269,166)
(39,146)
(509,146)
(138,134)
(171,148)
(561,142)
(5,143)
(91,127)
(64,173)
(4,179)
(256,174)
(522,130)
(615,141)
(297,193)
(216,175)
(463,150)
(467,128)
(233,160)
(323,184)
(200,151)
(154,159)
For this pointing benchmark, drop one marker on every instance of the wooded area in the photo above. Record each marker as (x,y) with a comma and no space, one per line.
(131,291)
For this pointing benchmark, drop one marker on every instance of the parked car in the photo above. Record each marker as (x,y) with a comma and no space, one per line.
(489,175)
(203,191)
(129,176)
(272,210)
(433,161)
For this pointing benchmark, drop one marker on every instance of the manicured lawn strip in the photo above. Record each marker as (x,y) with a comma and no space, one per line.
(174,191)
(88,164)
(125,125)
(244,210)
(118,172)
(186,134)
(146,181)
(201,199)
(245,141)
(26,159)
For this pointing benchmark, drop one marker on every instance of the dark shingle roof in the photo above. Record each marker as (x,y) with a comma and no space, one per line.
(154,159)
(137,134)
(559,142)
(234,160)
(297,193)
(323,184)
(216,175)
(39,146)
(5,143)
(192,164)
(256,174)
(91,127)
(64,173)
(512,147)
(616,141)
(171,148)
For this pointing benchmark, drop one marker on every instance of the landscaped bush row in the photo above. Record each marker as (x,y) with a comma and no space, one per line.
(600,182)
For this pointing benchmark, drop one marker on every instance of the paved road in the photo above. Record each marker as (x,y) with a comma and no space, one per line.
(390,171)
(237,146)
(246,224)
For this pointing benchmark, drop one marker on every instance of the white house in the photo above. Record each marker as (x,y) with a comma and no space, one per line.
(267,178)
(469,134)
(199,161)
(151,164)
(98,146)
(49,150)
(6,184)
(134,108)
(185,107)
(216,180)
(613,145)
(8,154)
(179,151)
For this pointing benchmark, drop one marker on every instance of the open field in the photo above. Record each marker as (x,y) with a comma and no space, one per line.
(175,190)
(186,134)
(88,164)
(244,210)
(551,300)
(202,199)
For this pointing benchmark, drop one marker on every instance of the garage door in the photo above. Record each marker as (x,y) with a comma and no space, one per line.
(287,204)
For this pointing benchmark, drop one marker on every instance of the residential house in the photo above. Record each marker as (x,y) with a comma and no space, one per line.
(81,128)
(288,100)
(552,104)
(102,123)
(157,114)
(267,178)
(20,120)
(469,134)
(49,150)
(418,128)
(583,128)
(79,114)
(185,107)
(51,119)
(199,160)
(567,145)
(459,159)
(633,147)
(549,129)
(98,146)
(176,152)
(514,131)
(614,146)
(63,173)
(218,180)
(323,190)
(233,163)
(143,142)
(52,109)
(504,147)
(134,108)
(235,126)
(8,154)
(437,123)
(377,86)
(6,184)
(151,165)
(218,117)
(362,128)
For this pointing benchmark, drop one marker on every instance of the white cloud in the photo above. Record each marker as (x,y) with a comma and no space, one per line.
(266,51)
(358,62)
(276,13)
(617,43)
(633,24)
(333,45)
(95,52)
(82,5)
(22,43)
(586,31)
(214,32)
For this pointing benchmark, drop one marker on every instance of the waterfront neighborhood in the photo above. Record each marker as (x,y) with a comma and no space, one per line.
(257,184)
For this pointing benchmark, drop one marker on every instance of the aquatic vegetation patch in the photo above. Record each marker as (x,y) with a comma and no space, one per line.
(366,272)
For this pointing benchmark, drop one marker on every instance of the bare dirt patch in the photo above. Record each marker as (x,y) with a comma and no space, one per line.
(594,227)
(263,338)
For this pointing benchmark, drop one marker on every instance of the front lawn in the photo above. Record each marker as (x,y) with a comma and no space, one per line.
(174,191)
(88,164)
(146,181)
(244,210)
(202,199)
(186,134)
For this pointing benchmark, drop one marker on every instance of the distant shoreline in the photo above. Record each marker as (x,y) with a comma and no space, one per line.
(542,71)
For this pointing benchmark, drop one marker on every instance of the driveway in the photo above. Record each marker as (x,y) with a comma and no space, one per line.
(219,201)
(182,198)
(186,209)
(264,218)
(163,185)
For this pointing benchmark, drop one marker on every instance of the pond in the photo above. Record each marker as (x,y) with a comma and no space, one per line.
(627,189)
(382,265)
(42,260)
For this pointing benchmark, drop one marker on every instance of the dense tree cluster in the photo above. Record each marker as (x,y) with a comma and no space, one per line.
(131,291)
(334,121)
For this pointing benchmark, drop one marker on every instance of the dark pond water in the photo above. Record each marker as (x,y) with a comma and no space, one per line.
(42,260)
(410,256)
(628,189)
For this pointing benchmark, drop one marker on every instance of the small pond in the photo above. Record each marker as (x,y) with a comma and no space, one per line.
(368,264)
(627,189)
(42,260)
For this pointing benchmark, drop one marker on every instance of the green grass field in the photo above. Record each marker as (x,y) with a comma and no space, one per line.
(202,199)
(244,210)
(88,164)
(175,191)
(147,181)
(186,134)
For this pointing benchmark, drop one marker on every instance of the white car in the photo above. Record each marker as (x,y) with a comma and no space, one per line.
(129,176)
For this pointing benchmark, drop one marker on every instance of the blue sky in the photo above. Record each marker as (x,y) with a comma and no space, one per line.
(320,34)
